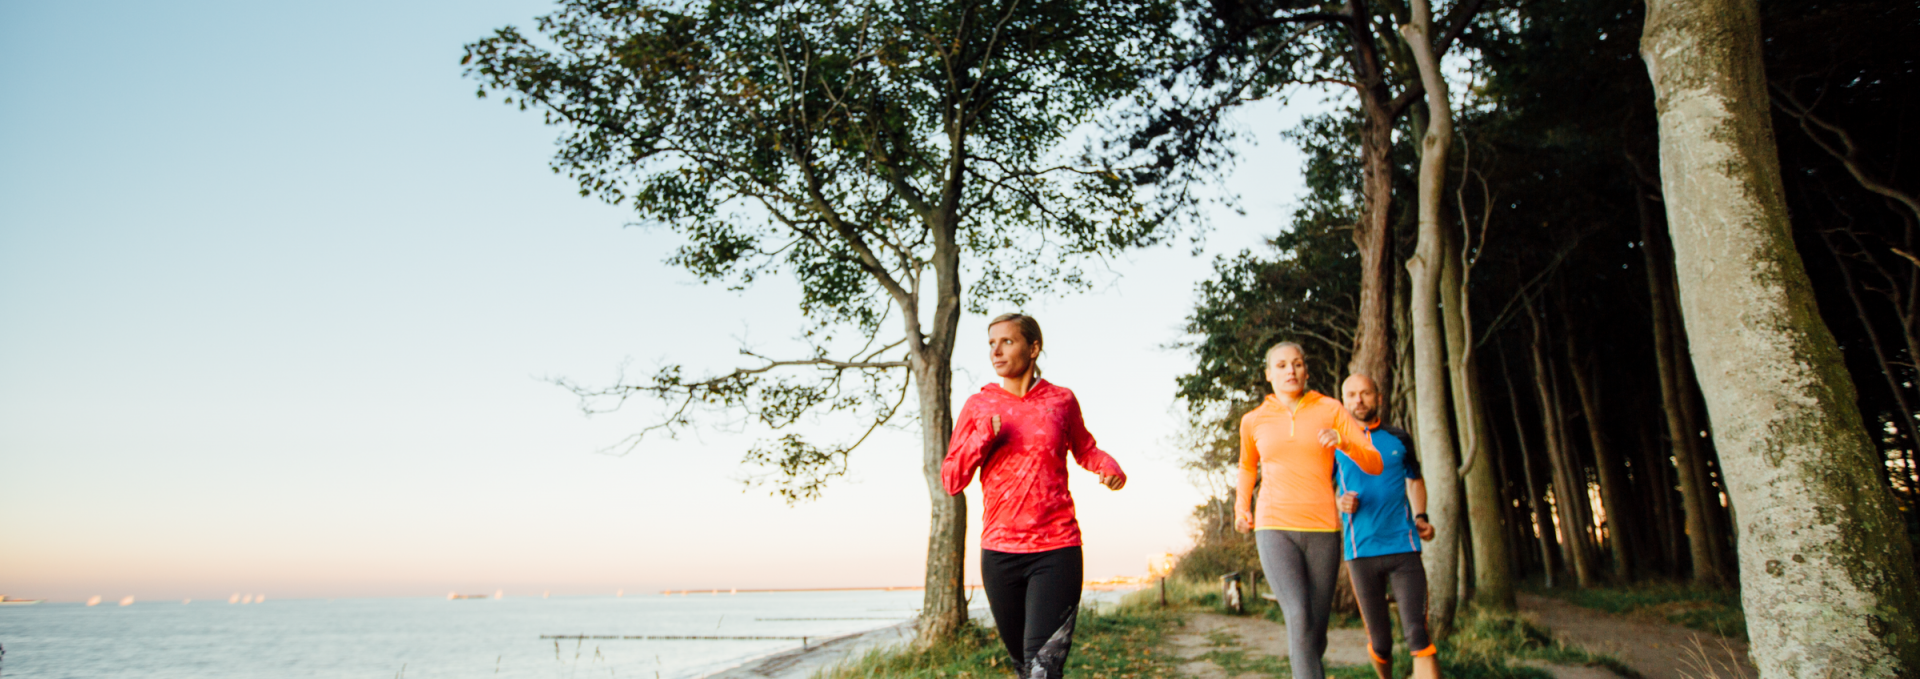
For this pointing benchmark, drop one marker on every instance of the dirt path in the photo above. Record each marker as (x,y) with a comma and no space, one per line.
(1255,636)
(1656,649)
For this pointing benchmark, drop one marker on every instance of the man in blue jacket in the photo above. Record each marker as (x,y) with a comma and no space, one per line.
(1384,519)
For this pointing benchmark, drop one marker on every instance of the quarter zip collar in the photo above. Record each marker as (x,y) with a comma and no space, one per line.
(1293,414)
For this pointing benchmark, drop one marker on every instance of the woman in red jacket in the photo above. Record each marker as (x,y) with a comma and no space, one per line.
(1018,433)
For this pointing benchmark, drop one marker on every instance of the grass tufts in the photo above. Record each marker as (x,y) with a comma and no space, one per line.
(1119,642)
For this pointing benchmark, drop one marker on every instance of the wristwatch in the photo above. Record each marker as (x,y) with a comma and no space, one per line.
(1422,517)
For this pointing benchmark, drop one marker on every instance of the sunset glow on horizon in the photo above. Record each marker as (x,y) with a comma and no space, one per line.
(296,338)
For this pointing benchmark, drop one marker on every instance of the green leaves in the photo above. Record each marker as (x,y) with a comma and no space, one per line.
(856,147)
(801,469)
(848,132)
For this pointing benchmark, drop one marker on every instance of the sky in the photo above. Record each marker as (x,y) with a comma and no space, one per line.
(279,300)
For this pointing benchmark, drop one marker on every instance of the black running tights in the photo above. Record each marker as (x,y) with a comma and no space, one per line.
(1035,600)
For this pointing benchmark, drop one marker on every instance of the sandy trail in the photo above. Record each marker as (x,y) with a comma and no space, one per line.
(1257,637)
(1656,649)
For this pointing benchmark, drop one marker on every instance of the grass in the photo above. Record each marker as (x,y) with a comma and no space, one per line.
(1117,642)
(1708,610)
(1485,646)
(1485,642)
(1208,596)
(1126,641)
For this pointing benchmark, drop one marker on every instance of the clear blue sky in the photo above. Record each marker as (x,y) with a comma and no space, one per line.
(277,292)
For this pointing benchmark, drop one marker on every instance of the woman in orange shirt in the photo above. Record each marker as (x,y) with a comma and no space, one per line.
(1287,445)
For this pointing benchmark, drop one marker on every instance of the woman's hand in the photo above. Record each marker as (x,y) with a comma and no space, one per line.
(1329,438)
(1242,519)
(1348,503)
(1113,481)
(996,425)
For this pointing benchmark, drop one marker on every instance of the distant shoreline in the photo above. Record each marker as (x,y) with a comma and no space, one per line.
(731,590)
(1102,585)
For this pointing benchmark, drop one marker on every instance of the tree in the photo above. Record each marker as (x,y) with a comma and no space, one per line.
(875,152)
(1492,556)
(1431,379)
(1828,582)
(1669,360)
(1244,51)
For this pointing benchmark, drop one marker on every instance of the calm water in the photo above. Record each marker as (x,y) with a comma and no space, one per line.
(426,637)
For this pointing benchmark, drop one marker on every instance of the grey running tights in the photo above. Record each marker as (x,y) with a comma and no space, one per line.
(1302,567)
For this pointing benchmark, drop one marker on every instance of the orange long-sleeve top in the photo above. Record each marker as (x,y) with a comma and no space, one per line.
(1281,448)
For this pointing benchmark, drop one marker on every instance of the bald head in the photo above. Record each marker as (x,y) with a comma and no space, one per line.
(1361,396)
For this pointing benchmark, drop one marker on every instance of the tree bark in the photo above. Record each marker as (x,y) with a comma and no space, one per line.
(1830,589)
(1605,462)
(943,608)
(1573,469)
(1437,463)
(1573,542)
(1492,574)
(1536,500)
(1373,334)
(1660,527)
(1403,358)
(1667,361)
(1513,527)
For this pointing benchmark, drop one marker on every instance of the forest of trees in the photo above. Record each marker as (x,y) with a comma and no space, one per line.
(1641,276)
(1575,360)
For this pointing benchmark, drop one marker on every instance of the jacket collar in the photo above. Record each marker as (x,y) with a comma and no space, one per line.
(1307,398)
(994,388)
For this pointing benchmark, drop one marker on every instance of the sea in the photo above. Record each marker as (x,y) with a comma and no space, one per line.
(507,638)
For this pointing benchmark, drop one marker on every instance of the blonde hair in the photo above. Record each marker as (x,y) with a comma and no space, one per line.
(1029,329)
(1294,345)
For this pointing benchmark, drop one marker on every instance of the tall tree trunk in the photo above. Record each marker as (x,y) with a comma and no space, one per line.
(1830,589)
(1612,484)
(1512,526)
(1437,462)
(1536,500)
(1667,359)
(943,608)
(1373,334)
(1662,545)
(1492,573)
(1404,414)
(1573,465)
(1573,541)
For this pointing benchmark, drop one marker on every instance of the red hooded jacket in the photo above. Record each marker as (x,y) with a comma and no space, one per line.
(1024,468)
